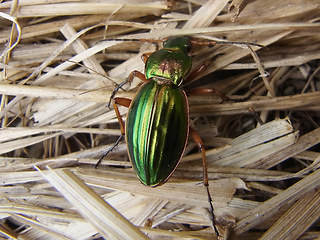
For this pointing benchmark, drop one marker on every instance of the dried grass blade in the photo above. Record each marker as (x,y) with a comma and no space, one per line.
(80,46)
(7,134)
(303,143)
(297,220)
(52,92)
(272,206)
(205,15)
(21,143)
(257,144)
(294,102)
(106,219)
(61,9)
(41,227)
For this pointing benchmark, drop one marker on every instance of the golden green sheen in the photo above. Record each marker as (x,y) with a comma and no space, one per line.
(157,130)
(169,64)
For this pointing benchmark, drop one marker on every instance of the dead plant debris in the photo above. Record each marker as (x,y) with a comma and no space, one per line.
(59,66)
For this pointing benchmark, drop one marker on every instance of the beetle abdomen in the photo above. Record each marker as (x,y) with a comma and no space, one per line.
(157,131)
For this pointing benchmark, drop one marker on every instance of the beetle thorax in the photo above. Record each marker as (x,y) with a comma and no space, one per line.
(168,64)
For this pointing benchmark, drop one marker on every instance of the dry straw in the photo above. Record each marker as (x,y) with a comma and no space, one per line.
(59,68)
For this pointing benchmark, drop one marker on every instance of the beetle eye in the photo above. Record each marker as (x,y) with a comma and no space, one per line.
(164,43)
(188,47)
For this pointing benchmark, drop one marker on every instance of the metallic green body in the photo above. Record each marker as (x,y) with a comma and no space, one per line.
(174,66)
(157,123)
(157,131)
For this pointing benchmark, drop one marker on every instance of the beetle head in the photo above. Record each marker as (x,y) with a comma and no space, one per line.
(181,43)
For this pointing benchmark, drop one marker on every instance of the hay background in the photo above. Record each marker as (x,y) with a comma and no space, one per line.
(57,77)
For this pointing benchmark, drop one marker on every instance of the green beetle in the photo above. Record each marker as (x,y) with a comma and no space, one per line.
(157,126)
(157,123)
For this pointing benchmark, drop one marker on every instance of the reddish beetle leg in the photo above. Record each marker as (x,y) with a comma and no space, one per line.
(132,75)
(200,145)
(123,102)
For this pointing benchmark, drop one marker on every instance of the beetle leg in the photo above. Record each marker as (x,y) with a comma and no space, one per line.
(123,102)
(201,148)
(132,75)
(196,72)
(137,74)
(202,91)
(255,115)
(209,91)
(145,56)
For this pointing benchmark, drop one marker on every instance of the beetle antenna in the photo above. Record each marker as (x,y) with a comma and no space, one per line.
(109,150)
(240,43)
(211,43)
(130,40)
(119,40)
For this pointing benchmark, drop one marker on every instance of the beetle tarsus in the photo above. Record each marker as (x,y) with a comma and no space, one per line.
(109,150)
(255,115)
(212,217)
